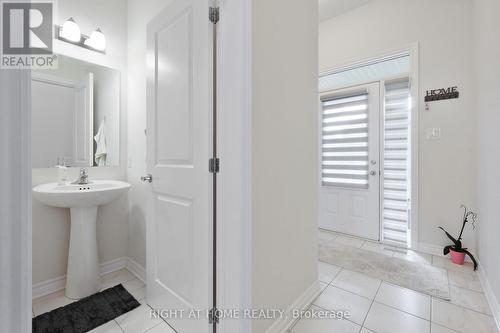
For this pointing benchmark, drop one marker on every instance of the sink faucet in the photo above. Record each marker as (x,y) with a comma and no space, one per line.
(84,177)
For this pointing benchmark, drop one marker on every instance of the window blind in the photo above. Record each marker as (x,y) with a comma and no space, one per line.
(345,141)
(396,161)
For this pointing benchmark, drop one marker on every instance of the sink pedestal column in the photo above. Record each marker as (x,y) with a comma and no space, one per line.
(83,278)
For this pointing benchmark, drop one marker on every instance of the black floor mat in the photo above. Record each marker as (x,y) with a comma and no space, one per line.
(87,313)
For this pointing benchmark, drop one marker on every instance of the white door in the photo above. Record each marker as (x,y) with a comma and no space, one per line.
(179,242)
(350,146)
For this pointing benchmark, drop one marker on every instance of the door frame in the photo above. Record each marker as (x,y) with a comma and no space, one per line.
(234,248)
(412,50)
(16,307)
(234,269)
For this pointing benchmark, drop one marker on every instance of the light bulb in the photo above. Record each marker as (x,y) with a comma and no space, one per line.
(71,31)
(97,40)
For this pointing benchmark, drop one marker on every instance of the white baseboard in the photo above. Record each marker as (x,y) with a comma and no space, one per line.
(136,269)
(59,283)
(301,303)
(113,266)
(490,295)
(48,287)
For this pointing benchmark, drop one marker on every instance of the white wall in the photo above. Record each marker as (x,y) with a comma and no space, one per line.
(140,12)
(51,225)
(109,15)
(284,158)
(444,32)
(488,159)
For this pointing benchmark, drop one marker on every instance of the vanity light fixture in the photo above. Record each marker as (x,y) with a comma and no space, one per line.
(70,33)
(97,40)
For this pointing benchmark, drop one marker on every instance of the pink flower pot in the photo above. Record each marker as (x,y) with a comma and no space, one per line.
(457,257)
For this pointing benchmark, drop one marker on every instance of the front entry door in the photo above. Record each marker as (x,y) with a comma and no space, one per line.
(350,146)
(179,239)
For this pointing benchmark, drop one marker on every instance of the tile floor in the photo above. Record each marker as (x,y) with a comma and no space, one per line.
(380,307)
(374,305)
(135,321)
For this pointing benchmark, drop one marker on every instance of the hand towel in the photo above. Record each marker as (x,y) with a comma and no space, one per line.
(101,150)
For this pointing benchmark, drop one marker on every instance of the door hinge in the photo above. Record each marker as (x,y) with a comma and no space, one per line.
(213,316)
(214,165)
(213,14)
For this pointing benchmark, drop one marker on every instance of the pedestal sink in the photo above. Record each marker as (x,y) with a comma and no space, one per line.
(82,278)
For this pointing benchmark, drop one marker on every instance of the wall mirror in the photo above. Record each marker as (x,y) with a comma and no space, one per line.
(75,115)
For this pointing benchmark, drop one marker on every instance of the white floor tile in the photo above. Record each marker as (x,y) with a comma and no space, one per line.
(50,302)
(325,326)
(414,256)
(435,328)
(461,319)
(133,284)
(384,319)
(110,327)
(357,283)
(365,330)
(138,320)
(326,236)
(322,285)
(162,328)
(123,275)
(139,294)
(327,272)
(395,305)
(115,278)
(46,297)
(445,262)
(467,280)
(350,241)
(379,248)
(404,299)
(469,299)
(340,300)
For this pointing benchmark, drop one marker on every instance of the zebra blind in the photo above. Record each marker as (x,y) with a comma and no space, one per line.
(396,161)
(345,141)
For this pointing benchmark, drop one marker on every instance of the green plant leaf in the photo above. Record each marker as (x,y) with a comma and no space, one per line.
(458,244)
(446,249)
(472,258)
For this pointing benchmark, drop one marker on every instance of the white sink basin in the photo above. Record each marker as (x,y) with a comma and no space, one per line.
(82,278)
(99,192)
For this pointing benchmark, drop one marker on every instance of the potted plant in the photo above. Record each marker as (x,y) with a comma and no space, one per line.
(457,251)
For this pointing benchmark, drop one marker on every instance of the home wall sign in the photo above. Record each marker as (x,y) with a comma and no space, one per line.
(441,94)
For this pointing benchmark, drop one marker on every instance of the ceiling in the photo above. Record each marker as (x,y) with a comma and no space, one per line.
(332,8)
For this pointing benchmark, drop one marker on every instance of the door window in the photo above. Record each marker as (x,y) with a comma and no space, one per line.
(345,141)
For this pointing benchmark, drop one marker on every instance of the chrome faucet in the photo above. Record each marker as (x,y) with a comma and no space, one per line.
(84,177)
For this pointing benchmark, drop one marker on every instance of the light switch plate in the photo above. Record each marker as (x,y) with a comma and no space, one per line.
(433,133)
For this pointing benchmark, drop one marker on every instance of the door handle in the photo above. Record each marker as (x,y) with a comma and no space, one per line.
(373,173)
(148,178)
